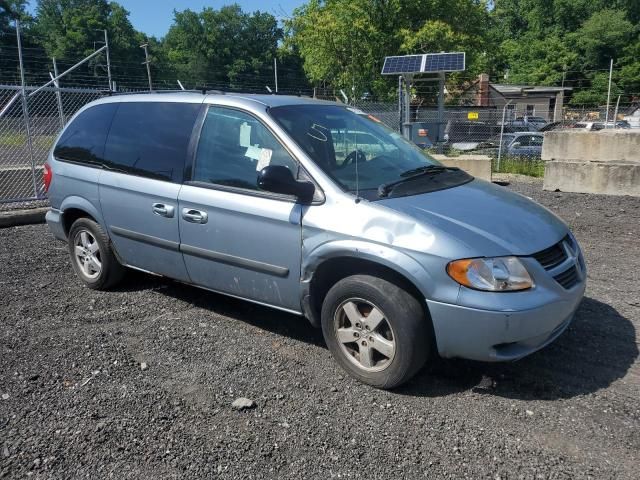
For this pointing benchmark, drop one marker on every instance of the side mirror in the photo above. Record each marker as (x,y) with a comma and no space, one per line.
(279,179)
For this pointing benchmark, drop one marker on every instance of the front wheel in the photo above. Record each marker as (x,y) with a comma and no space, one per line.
(376,330)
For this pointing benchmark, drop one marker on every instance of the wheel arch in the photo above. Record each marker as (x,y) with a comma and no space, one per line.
(74,207)
(331,263)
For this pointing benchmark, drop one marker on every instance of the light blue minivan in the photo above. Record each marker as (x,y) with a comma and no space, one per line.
(317,209)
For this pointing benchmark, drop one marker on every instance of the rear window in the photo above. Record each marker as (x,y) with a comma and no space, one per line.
(151,139)
(83,140)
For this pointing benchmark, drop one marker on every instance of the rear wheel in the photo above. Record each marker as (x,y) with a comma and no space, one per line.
(376,330)
(92,258)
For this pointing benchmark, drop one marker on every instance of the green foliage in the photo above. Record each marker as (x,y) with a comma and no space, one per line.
(344,42)
(541,39)
(221,46)
(519,165)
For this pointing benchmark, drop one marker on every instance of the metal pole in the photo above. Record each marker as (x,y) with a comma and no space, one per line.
(609,93)
(25,109)
(275,72)
(58,94)
(406,126)
(440,105)
(615,115)
(146,62)
(97,52)
(106,44)
(400,101)
(504,114)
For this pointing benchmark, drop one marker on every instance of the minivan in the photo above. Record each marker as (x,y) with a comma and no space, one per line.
(317,209)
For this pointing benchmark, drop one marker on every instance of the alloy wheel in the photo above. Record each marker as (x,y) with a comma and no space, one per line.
(87,254)
(364,334)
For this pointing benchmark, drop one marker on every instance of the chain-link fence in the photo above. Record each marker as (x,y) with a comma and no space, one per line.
(511,136)
(25,140)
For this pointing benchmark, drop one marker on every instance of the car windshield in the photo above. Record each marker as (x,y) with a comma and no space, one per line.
(355,149)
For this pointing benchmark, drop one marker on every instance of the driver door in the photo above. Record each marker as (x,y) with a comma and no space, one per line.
(235,238)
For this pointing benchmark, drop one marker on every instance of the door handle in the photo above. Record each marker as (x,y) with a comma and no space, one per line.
(194,216)
(163,210)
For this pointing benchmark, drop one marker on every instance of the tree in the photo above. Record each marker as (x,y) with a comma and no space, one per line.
(344,42)
(225,47)
(572,41)
(9,66)
(72,29)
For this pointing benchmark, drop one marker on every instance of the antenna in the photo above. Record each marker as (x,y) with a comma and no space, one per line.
(268,89)
(180,84)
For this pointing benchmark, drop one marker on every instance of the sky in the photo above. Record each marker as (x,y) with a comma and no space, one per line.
(154,17)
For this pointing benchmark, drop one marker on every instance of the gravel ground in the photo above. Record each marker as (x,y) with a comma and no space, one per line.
(138,383)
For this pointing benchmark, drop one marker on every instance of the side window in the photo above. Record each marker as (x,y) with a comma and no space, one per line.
(151,139)
(234,146)
(83,140)
(536,141)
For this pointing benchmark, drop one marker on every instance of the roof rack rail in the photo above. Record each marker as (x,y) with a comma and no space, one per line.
(203,91)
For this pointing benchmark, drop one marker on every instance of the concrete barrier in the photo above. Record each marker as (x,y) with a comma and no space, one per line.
(606,162)
(603,146)
(477,165)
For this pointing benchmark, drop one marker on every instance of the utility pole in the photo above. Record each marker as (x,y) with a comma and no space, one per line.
(106,43)
(275,72)
(147,63)
(609,94)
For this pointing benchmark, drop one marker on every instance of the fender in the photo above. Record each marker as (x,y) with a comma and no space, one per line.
(82,203)
(391,258)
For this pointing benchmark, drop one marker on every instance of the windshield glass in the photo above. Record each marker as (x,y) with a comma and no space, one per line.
(344,141)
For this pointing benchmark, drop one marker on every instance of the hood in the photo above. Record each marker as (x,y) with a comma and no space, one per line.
(487,219)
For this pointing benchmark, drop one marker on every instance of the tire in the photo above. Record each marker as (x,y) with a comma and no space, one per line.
(404,339)
(92,257)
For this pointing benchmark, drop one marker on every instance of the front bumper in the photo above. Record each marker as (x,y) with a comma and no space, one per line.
(498,336)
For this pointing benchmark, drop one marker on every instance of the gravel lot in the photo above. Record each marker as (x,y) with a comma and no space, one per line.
(78,403)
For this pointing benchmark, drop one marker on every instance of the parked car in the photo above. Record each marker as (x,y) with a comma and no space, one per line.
(393,255)
(535,123)
(589,126)
(519,144)
(556,126)
(464,136)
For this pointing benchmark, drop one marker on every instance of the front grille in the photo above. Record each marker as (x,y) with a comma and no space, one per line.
(568,278)
(551,257)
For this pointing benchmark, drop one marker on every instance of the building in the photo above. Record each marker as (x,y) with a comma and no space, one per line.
(520,100)
(633,116)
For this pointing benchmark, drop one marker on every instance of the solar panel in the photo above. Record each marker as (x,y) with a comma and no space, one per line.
(427,63)
(402,64)
(444,62)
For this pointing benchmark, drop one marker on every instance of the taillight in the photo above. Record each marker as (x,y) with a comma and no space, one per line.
(47,176)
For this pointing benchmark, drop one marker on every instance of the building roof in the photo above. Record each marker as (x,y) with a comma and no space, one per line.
(505,89)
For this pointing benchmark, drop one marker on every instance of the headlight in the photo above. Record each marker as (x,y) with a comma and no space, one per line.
(501,274)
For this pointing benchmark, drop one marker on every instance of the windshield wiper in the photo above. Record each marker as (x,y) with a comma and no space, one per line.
(423,169)
(431,170)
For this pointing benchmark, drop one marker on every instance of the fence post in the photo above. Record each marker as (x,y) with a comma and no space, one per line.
(25,109)
(504,113)
(146,62)
(106,44)
(58,95)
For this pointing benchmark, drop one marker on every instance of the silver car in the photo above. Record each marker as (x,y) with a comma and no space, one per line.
(316,209)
